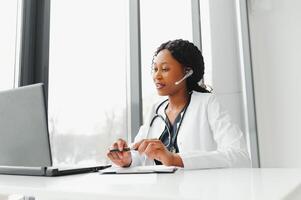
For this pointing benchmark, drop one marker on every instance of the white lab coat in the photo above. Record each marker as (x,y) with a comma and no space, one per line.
(207,137)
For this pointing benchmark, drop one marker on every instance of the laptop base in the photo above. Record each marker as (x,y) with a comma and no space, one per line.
(48,171)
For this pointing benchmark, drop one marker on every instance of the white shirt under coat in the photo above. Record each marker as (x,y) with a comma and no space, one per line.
(207,137)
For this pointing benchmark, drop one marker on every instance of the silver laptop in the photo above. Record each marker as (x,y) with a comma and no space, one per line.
(24,139)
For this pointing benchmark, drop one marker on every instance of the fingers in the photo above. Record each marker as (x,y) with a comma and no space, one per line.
(120,157)
(147,145)
(112,156)
(151,150)
(120,144)
(154,149)
(140,146)
(136,145)
(143,146)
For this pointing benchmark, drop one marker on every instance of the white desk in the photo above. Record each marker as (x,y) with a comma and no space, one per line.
(240,184)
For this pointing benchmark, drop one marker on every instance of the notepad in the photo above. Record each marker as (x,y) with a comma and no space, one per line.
(139,169)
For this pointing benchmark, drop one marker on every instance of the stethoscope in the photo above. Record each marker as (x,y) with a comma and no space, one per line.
(158,116)
(189,72)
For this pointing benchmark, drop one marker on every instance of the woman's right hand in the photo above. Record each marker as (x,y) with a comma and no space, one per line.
(120,158)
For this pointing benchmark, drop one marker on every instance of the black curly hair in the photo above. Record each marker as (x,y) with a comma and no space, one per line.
(188,55)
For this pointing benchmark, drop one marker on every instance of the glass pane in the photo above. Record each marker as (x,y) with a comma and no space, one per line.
(87,78)
(160,21)
(8,35)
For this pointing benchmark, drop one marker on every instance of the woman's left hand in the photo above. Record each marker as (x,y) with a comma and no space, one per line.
(155,149)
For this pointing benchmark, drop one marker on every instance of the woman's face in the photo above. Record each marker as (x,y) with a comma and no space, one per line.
(166,71)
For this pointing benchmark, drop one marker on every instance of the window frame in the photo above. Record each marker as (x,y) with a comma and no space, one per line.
(34,59)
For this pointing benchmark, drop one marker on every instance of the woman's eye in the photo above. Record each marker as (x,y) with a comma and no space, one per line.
(154,69)
(165,70)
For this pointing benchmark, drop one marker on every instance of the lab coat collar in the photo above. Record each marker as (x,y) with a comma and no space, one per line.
(161,110)
(159,126)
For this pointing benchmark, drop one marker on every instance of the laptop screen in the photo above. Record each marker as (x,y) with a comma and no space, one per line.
(24,139)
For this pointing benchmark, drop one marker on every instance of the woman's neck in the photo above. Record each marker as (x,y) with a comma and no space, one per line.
(178,100)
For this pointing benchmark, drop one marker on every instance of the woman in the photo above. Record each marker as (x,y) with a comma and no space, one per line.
(189,129)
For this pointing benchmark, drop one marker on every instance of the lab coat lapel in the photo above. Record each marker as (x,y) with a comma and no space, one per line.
(187,129)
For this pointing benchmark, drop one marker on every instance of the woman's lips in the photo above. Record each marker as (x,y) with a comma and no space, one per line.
(160,86)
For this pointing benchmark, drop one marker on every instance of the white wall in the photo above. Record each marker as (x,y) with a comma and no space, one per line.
(222,57)
(219,39)
(275,28)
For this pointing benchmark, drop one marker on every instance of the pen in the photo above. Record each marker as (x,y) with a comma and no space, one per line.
(123,150)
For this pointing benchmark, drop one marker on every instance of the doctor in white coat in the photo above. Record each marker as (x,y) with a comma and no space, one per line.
(190,129)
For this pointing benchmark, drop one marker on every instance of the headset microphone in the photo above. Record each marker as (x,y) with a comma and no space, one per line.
(189,73)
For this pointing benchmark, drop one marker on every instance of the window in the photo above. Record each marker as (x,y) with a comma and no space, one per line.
(160,21)
(87,78)
(9,32)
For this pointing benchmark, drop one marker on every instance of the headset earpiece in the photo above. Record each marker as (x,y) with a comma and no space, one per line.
(188,72)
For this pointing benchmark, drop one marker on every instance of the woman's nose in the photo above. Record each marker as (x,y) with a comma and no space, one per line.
(157,74)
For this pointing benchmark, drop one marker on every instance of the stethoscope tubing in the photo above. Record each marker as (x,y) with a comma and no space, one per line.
(165,123)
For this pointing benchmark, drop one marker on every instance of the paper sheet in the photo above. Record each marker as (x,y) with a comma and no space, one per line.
(139,169)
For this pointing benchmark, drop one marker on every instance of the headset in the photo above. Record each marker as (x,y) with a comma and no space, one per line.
(189,72)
